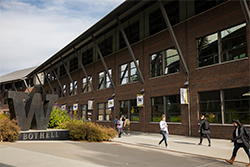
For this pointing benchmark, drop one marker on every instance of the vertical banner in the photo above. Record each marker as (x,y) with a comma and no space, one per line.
(111,104)
(75,107)
(63,107)
(139,100)
(90,104)
(184,95)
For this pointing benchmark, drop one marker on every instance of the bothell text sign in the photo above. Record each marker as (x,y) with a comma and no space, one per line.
(31,109)
(52,134)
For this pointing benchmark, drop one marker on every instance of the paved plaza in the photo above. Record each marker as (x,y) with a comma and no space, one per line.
(137,149)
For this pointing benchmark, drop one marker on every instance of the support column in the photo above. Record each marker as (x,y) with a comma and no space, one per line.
(26,85)
(59,82)
(48,82)
(40,84)
(172,34)
(84,71)
(246,11)
(69,75)
(103,62)
(130,49)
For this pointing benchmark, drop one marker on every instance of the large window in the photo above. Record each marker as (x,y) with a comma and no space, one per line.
(62,93)
(129,73)
(72,88)
(19,85)
(87,57)
(128,108)
(73,64)
(62,70)
(106,46)
(86,85)
(172,109)
(225,45)
(132,33)
(156,20)
(103,113)
(164,62)
(226,105)
(103,79)
(201,6)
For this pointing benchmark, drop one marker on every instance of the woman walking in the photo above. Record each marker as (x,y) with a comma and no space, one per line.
(119,126)
(240,139)
(204,129)
(164,131)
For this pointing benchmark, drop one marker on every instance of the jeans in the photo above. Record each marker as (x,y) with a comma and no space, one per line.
(237,147)
(208,138)
(164,137)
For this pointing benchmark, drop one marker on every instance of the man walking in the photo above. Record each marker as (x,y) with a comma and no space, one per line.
(204,129)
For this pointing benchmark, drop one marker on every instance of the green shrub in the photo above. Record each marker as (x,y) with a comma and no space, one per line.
(88,131)
(9,130)
(57,117)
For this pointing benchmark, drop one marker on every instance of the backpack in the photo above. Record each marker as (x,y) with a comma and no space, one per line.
(127,122)
(247,132)
(206,125)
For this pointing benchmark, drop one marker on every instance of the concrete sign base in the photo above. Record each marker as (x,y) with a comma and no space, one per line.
(49,134)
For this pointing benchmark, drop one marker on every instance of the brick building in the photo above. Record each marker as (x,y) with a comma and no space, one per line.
(155,48)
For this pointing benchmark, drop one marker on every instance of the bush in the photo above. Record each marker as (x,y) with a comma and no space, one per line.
(88,131)
(57,117)
(9,130)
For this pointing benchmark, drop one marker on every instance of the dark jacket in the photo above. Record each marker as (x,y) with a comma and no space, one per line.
(242,135)
(201,128)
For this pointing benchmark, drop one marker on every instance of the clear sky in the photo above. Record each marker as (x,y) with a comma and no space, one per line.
(31,31)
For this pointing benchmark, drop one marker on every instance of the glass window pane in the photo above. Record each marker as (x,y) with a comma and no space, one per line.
(156,109)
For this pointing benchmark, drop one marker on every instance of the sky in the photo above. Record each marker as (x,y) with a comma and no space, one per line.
(31,31)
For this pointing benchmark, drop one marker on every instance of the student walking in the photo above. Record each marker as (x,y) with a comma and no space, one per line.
(204,129)
(164,131)
(127,126)
(240,139)
(115,123)
(119,126)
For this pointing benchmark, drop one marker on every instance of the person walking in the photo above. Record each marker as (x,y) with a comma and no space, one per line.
(164,131)
(204,129)
(240,139)
(115,123)
(119,126)
(127,126)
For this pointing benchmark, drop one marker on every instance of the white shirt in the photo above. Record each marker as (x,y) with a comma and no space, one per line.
(163,125)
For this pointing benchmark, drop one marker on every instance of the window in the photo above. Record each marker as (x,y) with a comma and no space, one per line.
(156,20)
(103,112)
(62,70)
(103,79)
(8,86)
(128,108)
(128,73)
(234,102)
(172,107)
(73,64)
(83,111)
(87,57)
(164,62)
(157,109)
(19,85)
(54,89)
(53,75)
(237,105)
(106,46)
(231,43)
(85,85)
(62,94)
(210,106)
(132,33)
(73,88)
(201,6)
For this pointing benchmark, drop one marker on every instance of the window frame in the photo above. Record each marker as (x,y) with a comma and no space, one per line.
(128,71)
(106,81)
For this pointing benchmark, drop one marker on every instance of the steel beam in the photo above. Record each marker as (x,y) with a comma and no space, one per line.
(130,49)
(58,81)
(172,34)
(13,85)
(246,11)
(84,71)
(26,85)
(40,84)
(48,82)
(69,75)
(103,62)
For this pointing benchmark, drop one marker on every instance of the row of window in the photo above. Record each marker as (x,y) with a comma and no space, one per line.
(220,106)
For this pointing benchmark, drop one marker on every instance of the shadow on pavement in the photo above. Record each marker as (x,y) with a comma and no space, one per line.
(5,165)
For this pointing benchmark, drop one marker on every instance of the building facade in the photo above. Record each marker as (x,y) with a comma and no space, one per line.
(154,49)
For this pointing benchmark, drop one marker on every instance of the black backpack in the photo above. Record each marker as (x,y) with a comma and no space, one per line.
(206,125)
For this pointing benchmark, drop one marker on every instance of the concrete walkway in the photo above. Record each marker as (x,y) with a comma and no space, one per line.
(220,149)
